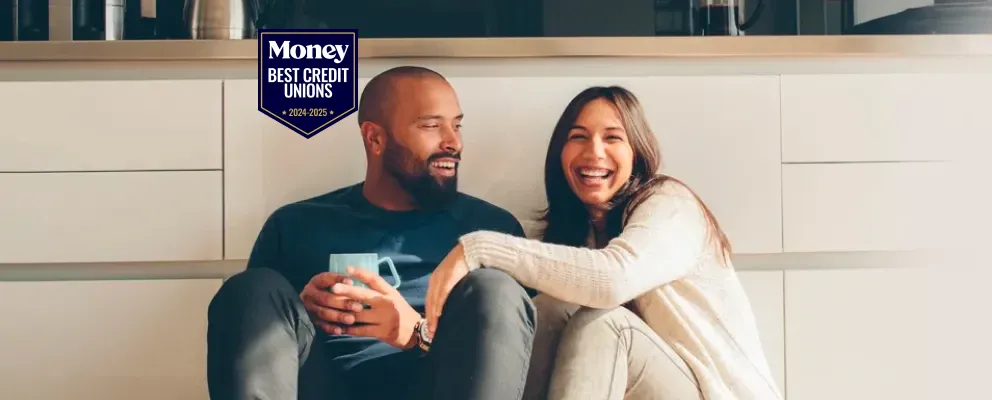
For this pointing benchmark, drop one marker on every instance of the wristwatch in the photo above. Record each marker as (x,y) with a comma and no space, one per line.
(423,338)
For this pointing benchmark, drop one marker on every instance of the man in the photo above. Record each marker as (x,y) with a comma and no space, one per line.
(285,328)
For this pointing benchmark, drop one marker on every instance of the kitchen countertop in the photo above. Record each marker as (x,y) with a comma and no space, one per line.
(668,47)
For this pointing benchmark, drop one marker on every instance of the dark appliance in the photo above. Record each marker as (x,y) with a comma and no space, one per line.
(723,17)
(7,20)
(943,18)
(673,17)
(32,20)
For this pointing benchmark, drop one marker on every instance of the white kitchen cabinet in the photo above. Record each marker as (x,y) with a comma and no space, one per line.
(111,216)
(888,333)
(721,135)
(730,157)
(108,340)
(765,290)
(870,207)
(110,125)
(882,117)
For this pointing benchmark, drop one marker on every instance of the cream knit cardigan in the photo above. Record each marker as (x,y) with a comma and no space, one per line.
(664,261)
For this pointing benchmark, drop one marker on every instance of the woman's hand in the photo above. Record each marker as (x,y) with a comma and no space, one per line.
(448,273)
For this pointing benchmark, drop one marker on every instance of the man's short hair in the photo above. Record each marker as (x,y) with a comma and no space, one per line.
(377,98)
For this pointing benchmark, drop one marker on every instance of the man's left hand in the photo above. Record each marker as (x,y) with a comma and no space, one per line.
(390,318)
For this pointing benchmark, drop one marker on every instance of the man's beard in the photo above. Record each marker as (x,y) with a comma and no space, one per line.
(414,176)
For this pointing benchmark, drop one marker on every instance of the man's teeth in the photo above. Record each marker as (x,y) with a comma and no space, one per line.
(443,164)
(594,173)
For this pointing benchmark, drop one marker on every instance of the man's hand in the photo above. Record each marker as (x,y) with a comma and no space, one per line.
(390,318)
(327,310)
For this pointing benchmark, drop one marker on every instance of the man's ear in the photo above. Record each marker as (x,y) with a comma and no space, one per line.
(374,137)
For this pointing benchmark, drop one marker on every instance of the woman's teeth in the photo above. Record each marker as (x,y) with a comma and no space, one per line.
(594,172)
(594,175)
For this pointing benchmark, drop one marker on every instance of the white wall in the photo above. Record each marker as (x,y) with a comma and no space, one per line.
(789,162)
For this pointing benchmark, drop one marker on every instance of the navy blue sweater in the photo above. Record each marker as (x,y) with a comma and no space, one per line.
(298,238)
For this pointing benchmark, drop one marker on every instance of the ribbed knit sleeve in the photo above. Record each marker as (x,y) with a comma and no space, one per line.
(663,241)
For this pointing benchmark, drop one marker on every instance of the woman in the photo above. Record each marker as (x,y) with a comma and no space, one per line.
(638,290)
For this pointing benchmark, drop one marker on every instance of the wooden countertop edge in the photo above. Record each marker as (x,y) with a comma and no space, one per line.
(664,47)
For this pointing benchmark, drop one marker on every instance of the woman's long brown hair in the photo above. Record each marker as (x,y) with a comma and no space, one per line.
(566,219)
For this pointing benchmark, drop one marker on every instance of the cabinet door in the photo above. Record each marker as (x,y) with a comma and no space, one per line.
(882,117)
(110,216)
(108,340)
(733,161)
(871,207)
(721,135)
(110,125)
(765,290)
(887,333)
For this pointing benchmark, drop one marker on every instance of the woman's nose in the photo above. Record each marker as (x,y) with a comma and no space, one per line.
(596,149)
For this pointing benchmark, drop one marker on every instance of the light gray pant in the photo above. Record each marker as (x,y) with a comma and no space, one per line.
(593,354)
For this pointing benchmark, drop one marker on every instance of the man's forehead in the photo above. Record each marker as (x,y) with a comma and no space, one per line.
(427,100)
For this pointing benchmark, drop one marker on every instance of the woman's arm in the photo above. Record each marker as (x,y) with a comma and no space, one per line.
(663,240)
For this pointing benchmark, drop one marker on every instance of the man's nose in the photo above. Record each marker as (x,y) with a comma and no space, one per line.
(451,141)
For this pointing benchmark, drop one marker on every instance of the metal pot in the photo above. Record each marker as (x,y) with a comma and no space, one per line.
(220,19)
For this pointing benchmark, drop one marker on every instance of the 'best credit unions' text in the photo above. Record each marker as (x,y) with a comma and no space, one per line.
(307,82)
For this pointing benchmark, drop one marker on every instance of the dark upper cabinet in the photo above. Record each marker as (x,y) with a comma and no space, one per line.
(599,18)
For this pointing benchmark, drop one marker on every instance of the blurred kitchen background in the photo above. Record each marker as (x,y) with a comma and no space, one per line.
(34,20)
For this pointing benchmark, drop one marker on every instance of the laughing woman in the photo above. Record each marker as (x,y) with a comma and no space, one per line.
(639,297)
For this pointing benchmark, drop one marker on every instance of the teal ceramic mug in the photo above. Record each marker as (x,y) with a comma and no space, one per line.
(367,261)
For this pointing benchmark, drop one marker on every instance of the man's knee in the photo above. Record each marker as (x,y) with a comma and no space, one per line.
(249,289)
(493,295)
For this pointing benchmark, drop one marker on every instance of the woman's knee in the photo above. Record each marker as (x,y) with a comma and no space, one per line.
(614,320)
(553,312)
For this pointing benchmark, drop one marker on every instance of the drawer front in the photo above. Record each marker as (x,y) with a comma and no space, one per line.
(108,340)
(110,216)
(110,125)
(869,207)
(849,333)
(897,117)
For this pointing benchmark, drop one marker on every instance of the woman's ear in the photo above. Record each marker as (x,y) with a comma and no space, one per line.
(374,137)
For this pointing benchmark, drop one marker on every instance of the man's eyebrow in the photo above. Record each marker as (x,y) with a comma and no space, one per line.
(435,116)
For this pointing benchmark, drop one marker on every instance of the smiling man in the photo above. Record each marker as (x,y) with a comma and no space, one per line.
(286,328)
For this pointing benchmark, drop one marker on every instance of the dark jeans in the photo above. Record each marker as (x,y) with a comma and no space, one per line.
(261,344)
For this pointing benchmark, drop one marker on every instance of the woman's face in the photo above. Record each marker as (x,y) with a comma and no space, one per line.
(597,157)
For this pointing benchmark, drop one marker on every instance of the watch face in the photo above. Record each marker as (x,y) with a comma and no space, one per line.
(425,341)
(423,333)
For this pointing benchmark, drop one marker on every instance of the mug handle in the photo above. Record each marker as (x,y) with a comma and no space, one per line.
(392,269)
